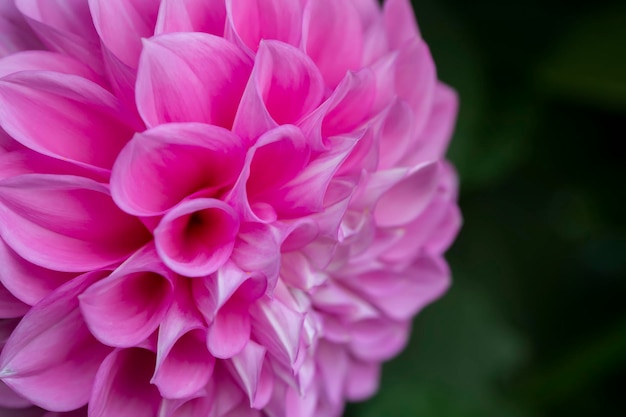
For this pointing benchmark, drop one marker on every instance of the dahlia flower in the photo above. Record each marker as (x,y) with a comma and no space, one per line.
(215,208)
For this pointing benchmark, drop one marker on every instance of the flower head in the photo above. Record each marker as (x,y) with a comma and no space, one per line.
(215,208)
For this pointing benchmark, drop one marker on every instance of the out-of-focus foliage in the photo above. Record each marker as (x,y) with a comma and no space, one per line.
(535,324)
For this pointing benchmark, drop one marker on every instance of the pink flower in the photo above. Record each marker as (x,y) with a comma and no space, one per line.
(224,208)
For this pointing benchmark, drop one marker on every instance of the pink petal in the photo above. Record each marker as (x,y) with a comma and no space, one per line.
(251,370)
(64,26)
(196,237)
(278,94)
(186,368)
(251,21)
(66,223)
(230,331)
(363,380)
(378,339)
(28,282)
(257,250)
(400,22)
(76,119)
(208,16)
(174,85)
(46,61)
(15,34)
(408,198)
(11,307)
(128,306)
(396,134)
(9,399)
(333,38)
(162,166)
(51,358)
(122,387)
(333,361)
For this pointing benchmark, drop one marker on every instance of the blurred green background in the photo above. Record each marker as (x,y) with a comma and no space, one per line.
(535,323)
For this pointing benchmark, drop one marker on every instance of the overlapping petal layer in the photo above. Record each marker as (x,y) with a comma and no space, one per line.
(218,208)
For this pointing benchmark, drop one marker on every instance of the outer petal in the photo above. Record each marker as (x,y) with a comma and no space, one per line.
(277,93)
(162,166)
(400,22)
(51,358)
(46,61)
(333,38)
(122,387)
(251,21)
(15,34)
(64,26)
(66,223)
(363,380)
(197,236)
(128,306)
(191,77)
(28,282)
(77,120)
(208,16)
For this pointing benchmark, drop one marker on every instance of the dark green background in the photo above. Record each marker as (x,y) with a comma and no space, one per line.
(535,323)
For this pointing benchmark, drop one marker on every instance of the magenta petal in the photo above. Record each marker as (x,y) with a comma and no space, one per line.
(10,399)
(122,387)
(276,93)
(51,358)
(251,21)
(65,26)
(66,223)
(333,38)
(400,22)
(333,362)
(15,34)
(408,198)
(174,85)
(28,282)
(11,307)
(379,339)
(76,119)
(187,367)
(196,237)
(162,166)
(128,306)
(396,135)
(230,331)
(363,380)
(208,16)
(250,369)
(46,61)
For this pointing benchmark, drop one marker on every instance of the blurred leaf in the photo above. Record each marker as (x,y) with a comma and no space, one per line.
(589,62)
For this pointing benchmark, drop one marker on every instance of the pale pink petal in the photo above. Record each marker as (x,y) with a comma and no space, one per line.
(174,85)
(208,16)
(396,135)
(230,331)
(162,166)
(46,61)
(378,339)
(186,368)
(51,358)
(333,361)
(196,237)
(76,119)
(127,307)
(408,198)
(28,282)
(276,93)
(251,21)
(400,22)
(64,26)
(122,387)
(251,370)
(66,223)
(333,38)
(363,380)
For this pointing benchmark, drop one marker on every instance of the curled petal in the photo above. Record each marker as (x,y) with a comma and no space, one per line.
(278,94)
(174,85)
(230,331)
(197,237)
(66,223)
(122,387)
(251,21)
(333,38)
(128,306)
(162,166)
(251,370)
(207,16)
(51,358)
